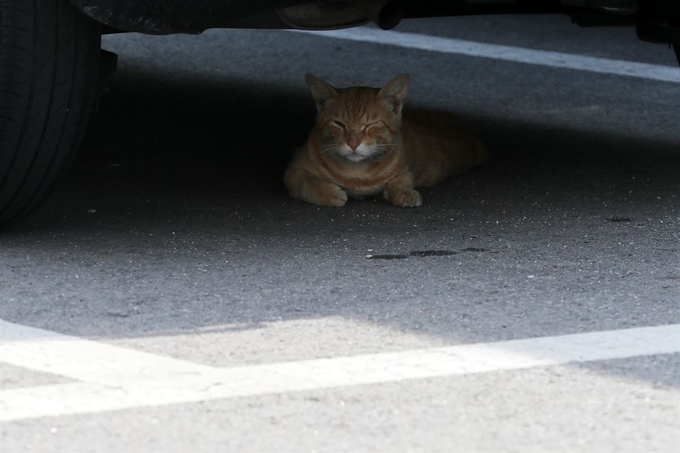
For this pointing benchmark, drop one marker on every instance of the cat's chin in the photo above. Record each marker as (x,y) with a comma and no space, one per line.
(355,158)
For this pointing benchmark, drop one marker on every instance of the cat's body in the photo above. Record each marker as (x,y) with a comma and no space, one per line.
(360,146)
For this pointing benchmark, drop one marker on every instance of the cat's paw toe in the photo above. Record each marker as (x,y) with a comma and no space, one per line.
(335,196)
(408,199)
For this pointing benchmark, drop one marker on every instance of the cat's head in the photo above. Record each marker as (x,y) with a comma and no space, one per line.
(359,123)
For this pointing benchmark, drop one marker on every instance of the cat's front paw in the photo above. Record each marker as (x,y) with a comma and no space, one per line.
(406,198)
(331,195)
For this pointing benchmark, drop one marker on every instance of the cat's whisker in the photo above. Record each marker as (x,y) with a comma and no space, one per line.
(328,150)
(379,149)
(383,147)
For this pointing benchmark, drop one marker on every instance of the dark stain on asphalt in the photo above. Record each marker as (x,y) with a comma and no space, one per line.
(417,254)
(474,249)
(426,253)
(619,219)
(386,257)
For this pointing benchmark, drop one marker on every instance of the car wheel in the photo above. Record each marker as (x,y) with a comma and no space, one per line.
(48,69)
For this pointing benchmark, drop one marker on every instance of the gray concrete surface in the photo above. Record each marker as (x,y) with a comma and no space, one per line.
(173,234)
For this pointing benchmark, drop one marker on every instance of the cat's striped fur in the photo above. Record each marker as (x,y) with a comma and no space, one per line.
(361,146)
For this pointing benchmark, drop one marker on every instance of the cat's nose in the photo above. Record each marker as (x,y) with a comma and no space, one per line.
(353,142)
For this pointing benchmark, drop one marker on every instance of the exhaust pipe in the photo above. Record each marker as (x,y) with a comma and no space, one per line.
(386,14)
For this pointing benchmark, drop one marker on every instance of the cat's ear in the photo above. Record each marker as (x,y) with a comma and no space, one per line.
(321,91)
(395,91)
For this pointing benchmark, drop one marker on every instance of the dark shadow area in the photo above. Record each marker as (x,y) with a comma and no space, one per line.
(181,185)
(659,371)
(180,148)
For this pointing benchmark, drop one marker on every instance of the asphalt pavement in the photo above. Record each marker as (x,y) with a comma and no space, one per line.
(173,236)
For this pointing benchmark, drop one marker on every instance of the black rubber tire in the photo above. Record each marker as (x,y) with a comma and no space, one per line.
(49,53)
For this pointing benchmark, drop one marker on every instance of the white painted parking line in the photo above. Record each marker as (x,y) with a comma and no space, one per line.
(117,378)
(506,53)
(85,360)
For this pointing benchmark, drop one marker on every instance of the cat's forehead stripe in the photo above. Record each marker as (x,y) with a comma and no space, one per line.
(356,107)
(359,105)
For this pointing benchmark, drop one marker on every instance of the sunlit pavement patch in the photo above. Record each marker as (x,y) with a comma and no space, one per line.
(115,378)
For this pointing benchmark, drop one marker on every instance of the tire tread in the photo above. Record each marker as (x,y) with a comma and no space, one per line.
(52,81)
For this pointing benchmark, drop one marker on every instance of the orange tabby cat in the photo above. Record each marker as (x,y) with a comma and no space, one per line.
(360,146)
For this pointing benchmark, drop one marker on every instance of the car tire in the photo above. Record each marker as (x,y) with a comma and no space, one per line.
(48,71)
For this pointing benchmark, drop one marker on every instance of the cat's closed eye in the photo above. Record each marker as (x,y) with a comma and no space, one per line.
(366,126)
(340,124)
